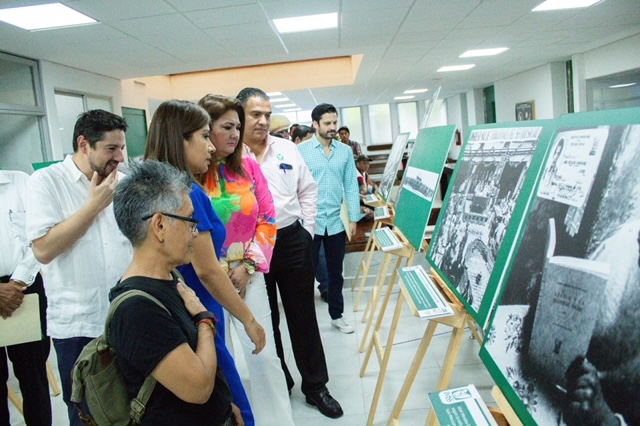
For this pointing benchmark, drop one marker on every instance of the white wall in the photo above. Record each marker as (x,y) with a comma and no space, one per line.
(545,85)
(59,77)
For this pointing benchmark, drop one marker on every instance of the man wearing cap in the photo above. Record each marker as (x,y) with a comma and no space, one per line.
(280,127)
(295,196)
(344,134)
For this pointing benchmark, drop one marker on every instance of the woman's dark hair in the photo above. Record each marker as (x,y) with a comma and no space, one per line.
(174,122)
(216,106)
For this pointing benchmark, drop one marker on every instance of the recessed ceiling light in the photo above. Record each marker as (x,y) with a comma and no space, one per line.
(270,94)
(292,110)
(402,98)
(617,86)
(286,105)
(563,4)
(44,16)
(483,52)
(275,100)
(456,68)
(408,92)
(306,23)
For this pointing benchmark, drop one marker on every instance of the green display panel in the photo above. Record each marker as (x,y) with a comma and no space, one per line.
(43,164)
(487,196)
(420,181)
(565,332)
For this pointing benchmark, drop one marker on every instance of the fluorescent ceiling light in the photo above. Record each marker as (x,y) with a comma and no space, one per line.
(275,100)
(401,98)
(270,94)
(617,86)
(292,110)
(44,16)
(410,91)
(563,4)
(456,68)
(286,105)
(306,23)
(483,52)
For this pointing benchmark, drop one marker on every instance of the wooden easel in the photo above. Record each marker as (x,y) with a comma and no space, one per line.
(458,322)
(407,252)
(367,255)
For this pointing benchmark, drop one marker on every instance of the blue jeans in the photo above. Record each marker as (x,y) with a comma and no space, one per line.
(334,249)
(321,272)
(67,351)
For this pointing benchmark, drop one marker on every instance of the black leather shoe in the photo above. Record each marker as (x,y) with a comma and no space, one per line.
(326,404)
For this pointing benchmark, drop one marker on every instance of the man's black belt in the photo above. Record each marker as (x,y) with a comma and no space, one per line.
(5,279)
(289,229)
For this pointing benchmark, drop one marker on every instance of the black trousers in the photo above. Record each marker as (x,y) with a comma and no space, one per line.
(29,366)
(292,275)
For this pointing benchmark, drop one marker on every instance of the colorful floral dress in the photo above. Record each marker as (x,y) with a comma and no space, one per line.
(245,206)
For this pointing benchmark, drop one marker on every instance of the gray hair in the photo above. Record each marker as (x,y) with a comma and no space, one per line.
(149,187)
(251,92)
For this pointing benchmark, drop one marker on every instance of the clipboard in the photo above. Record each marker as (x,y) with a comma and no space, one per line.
(23,325)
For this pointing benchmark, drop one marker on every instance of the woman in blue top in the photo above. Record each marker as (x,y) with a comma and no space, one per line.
(179,135)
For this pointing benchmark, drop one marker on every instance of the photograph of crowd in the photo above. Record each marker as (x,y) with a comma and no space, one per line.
(490,176)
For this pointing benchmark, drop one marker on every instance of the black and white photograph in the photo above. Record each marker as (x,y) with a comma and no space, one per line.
(565,335)
(420,182)
(480,205)
(393,165)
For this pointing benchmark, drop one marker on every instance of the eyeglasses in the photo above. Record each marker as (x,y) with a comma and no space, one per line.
(192,221)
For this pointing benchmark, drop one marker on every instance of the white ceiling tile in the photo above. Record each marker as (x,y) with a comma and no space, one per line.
(226,16)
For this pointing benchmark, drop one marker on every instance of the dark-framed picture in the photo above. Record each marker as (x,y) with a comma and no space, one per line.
(525,111)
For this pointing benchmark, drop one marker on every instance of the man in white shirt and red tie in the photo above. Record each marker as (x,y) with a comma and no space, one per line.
(74,234)
(295,196)
(19,277)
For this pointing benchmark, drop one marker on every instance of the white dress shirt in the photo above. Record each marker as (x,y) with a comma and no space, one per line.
(16,258)
(295,193)
(77,281)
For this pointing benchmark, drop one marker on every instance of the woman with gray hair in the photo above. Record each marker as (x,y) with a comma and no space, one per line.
(153,210)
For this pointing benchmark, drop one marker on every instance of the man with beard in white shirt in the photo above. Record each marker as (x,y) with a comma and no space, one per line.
(73,231)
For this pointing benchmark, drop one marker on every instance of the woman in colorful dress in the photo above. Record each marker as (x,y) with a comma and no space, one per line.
(240,196)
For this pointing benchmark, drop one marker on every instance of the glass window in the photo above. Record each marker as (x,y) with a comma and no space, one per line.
(69,107)
(20,142)
(380,124)
(614,91)
(408,118)
(352,118)
(304,117)
(98,103)
(17,78)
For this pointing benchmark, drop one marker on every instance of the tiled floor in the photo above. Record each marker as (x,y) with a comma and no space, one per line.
(344,361)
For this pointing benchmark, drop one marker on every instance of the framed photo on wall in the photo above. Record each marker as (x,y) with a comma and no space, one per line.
(525,111)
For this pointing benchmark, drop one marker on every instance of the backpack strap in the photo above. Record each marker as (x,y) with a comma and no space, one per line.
(138,404)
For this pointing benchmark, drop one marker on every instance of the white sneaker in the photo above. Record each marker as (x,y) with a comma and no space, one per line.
(341,325)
